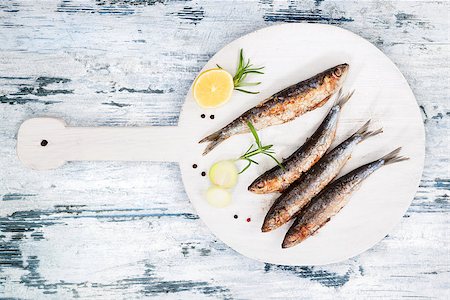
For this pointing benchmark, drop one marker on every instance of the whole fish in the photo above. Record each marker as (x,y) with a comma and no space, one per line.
(285,105)
(278,179)
(313,181)
(332,199)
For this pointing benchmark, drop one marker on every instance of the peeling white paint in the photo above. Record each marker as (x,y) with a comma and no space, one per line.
(127,230)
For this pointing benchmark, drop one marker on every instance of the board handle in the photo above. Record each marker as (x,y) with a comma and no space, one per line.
(47,143)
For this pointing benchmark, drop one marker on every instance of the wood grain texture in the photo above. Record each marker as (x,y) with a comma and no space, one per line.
(127,230)
(48,143)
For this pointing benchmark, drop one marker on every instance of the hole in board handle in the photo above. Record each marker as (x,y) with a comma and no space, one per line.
(44,143)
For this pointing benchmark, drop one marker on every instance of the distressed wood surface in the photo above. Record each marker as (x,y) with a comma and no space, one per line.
(127,230)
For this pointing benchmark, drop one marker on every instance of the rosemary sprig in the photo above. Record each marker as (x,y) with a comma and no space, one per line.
(259,149)
(243,69)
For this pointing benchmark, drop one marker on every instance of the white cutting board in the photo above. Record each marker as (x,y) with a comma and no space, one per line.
(290,53)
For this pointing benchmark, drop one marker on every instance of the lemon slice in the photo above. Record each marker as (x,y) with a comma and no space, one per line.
(213,88)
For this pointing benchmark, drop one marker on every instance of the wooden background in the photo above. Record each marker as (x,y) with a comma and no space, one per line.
(127,230)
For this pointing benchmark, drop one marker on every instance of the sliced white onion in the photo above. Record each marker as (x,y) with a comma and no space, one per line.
(224,173)
(218,197)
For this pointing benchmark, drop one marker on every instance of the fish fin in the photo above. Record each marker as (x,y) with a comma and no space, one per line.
(393,157)
(213,144)
(321,103)
(342,99)
(212,137)
(365,133)
(363,128)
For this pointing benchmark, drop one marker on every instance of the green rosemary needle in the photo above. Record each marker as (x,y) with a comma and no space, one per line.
(243,69)
(259,149)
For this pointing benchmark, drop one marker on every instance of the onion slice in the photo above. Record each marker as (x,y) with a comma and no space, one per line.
(224,173)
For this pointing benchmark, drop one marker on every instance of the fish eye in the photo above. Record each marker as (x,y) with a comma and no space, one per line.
(337,72)
(260,185)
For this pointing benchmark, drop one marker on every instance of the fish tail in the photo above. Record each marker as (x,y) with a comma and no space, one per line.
(365,133)
(393,157)
(342,99)
(212,137)
(213,144)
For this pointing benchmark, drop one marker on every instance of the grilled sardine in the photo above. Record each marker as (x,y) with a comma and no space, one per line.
(285,105)
(278,179)
(313,181)
(332,199)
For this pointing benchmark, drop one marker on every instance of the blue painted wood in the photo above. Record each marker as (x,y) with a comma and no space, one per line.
(127,230)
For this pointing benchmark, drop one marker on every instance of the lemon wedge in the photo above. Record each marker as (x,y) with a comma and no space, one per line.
(213,88)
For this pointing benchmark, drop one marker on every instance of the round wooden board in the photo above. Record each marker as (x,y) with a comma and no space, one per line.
(291,53)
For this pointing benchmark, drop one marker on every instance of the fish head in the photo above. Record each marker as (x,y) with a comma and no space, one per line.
(339,72)
(295,235)
(269,225)
(263,185)
(334,77)
(276,217)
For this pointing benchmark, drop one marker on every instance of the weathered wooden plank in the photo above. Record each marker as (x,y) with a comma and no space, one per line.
(116,230)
